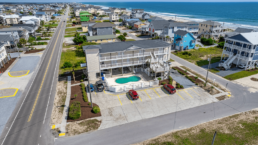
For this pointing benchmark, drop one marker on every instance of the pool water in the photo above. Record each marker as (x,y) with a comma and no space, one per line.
(128,79)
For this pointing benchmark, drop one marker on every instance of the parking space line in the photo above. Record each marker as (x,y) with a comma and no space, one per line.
(156,92)
(195,92)
(129,98)
(180,95)
(119,99)
(147,94)
(187,93)
(140,98)
(165,91)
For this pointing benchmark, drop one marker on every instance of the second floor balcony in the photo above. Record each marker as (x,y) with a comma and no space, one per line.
(121,64)
(119,56)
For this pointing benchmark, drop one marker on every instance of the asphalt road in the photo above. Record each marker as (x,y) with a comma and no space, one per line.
(242,100)
(30,121)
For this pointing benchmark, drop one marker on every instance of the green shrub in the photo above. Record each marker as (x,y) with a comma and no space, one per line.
(96,109)
(106,21)
(81,80)
(221,44)
(159,79)
(117,31)
(67,64)
(84,94)
(125,34)
(163,83)
(121,37)
(75,110)
(39,38)
(89,103)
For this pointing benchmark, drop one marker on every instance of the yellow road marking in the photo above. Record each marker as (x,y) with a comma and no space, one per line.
(129,97)
(165,91)
(61,134)
(10,95)
(140,98)
(119,99)
(156,92)
(20,75)
(180,96)
(53,126)
(147,94)
(187,93)
(35,103)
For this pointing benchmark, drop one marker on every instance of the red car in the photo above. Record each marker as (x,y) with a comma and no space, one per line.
(133,94)
(169,88)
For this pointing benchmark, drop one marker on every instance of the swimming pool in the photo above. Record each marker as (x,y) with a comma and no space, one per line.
(128,79)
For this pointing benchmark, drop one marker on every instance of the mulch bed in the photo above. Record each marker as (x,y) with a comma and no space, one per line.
(86,110)
(198,81)
(178,68)
(166,81)
(221,97)
(254,79)
(255,69)
(32,51)
(3,69)
(78,76)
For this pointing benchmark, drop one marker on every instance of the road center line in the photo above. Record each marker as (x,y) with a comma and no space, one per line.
(35,103)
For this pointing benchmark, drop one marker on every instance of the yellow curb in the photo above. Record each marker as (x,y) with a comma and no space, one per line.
(10,95)
(229,95)
(53,126)
(61,134)
(20,75)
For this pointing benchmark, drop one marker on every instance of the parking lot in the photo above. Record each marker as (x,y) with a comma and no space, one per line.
(119,109)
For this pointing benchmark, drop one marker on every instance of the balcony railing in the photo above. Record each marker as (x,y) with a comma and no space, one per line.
(120,64)
(105,58)
(160,52)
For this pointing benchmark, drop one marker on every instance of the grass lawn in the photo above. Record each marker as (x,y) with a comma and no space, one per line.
(69,25)
(199,56)
(241,74)
(69,35)
(239,129)
(72,56)
(52,25)
(213,70)
(72,29)
(129,40)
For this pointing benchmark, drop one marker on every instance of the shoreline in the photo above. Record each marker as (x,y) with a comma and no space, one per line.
(179,18)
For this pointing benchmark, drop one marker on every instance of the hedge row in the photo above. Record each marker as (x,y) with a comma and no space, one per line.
(182,73)
(179,86)
(170,80)
(75,110)
(84,94)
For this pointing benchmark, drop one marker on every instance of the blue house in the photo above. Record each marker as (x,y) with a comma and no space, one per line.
(183,40)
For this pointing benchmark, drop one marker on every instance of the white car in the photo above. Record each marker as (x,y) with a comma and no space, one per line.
(242,66)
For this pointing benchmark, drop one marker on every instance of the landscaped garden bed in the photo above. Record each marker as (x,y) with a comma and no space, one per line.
(34,51)
(181,71)
(6,66)
(77,101)
(242,74)
(78,74)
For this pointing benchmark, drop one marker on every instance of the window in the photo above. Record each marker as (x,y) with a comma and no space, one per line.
(252,55)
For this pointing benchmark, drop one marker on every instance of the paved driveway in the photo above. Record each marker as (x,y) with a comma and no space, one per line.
(117,109)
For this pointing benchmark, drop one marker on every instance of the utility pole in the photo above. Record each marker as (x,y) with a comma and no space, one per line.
(213,138)
(89,87)
(208,70)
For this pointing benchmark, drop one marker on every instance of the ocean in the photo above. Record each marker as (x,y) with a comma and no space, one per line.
(232,14)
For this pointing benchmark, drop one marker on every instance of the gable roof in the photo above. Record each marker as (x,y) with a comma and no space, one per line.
(104,24)
(246,37)
(181,32)
(123,46)
(5,37)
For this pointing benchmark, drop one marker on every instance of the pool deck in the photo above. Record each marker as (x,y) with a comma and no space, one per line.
(143,76)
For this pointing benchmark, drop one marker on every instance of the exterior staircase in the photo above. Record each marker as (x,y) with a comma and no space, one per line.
(228,62)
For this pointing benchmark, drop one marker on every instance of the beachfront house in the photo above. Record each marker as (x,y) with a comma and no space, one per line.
(183,40)
(101,32)
(113,17)
(146,16)
(137,13)
(238,31)
(156,27)
(119,58)
(9,19)
(210,29)
(4,57)
(241,49)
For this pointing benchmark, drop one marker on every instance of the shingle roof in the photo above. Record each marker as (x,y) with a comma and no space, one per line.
(122,46)
(209,22)
(104,24)
(5,37)
(159,24)
(86,23)
(181,32)
(90,38)
(243,30)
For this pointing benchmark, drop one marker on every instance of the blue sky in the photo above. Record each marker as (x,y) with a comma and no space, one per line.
(129,1)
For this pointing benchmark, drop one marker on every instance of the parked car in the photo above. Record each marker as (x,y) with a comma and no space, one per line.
(99,86)
(133,94)
(91,87)
(169,88)
(242,66)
